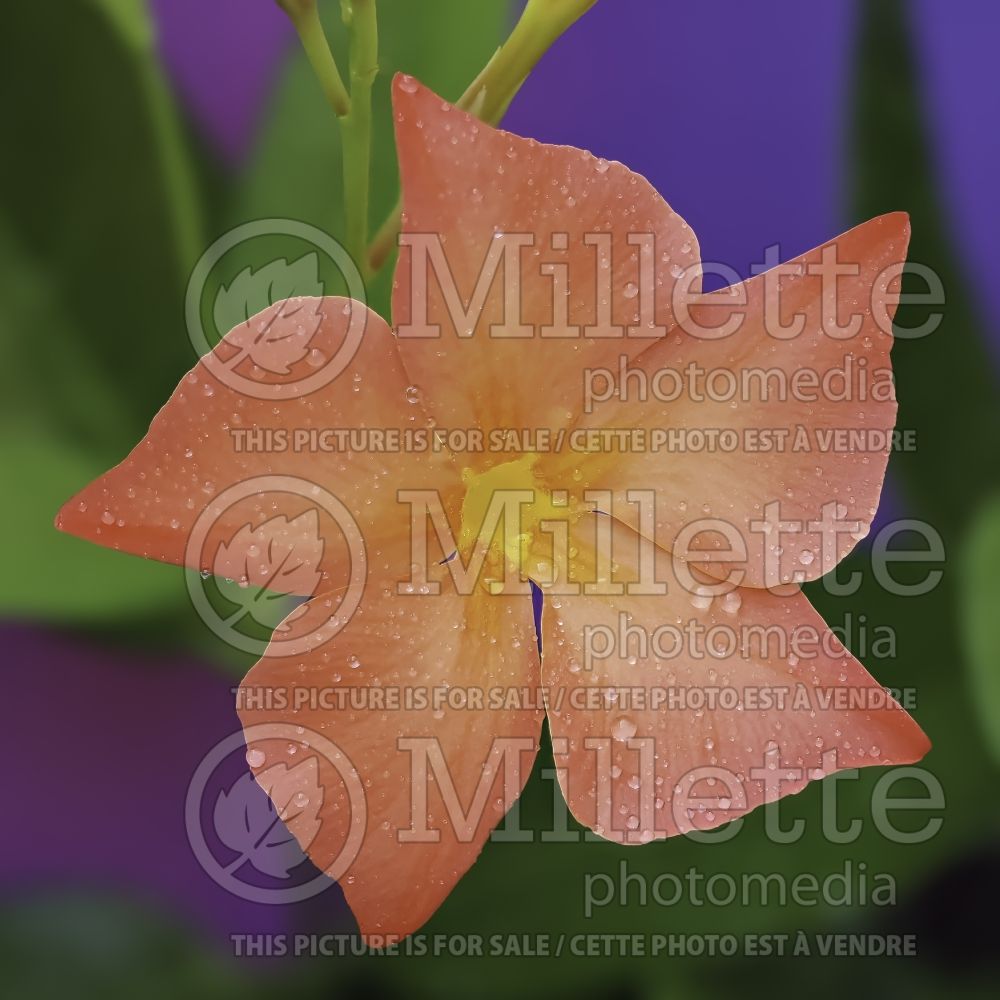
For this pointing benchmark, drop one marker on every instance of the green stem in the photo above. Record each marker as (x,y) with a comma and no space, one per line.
(385,238)
(357,128)
(491,93)
(305,17)
(543,21)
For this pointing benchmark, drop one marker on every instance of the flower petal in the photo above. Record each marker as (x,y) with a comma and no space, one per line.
(789,191)
(679,711)
(486,197)
(808,414)
(240,475)
(393,664)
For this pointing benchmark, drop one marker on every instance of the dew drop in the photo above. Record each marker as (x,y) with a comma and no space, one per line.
(701,599)
(623,729)
(731,602)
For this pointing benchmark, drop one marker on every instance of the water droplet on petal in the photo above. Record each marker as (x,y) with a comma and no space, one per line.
(623,729)
(731,602)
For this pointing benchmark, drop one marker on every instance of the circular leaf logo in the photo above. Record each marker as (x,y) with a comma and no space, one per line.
(258,571)
(271,356)
(250,831)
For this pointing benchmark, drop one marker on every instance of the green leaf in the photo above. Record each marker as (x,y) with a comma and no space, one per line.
(979,610)
(100,192)
(91,335)
(47,377)
(52,575)
(131,20)
(894,168)
(48,453)
(297,171)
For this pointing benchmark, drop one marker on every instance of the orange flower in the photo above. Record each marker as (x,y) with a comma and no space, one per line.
(548,303)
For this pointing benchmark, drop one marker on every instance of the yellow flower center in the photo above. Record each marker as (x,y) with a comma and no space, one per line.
(509,509)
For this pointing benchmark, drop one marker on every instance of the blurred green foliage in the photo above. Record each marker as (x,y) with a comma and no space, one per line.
(979,610)
(72,944)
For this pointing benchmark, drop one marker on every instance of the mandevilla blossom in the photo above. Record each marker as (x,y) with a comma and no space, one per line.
(676,696)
